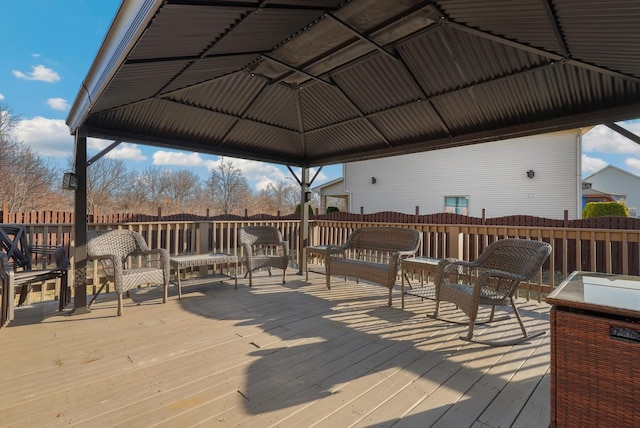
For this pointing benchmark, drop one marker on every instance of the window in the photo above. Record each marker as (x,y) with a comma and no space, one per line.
(456,204)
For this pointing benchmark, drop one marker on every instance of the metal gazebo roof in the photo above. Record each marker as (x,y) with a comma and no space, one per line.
(317,82)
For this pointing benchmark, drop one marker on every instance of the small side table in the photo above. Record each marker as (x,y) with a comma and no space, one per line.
(595,344)
(317,252)
(427,266)
(212,259)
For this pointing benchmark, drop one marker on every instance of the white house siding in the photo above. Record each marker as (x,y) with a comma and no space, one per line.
(493,175)
(617,181)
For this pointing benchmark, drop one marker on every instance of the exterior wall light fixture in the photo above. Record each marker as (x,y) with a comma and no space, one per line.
(69,181)
(373,180)
(531,173)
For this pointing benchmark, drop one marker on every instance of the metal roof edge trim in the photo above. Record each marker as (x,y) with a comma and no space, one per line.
(130,22)
(177,145)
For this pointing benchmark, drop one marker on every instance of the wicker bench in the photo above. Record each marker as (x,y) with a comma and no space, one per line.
(372,254)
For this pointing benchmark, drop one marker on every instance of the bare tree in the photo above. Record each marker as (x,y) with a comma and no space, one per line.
(282,196)
(8,121)
(155,183)
(184,191)
(228,188)
(107,180)
(183,188)
(27,178)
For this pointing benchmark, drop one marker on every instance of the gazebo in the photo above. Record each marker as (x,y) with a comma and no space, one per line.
(319,82)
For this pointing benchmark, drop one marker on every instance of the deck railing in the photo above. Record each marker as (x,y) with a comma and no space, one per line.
(597,250)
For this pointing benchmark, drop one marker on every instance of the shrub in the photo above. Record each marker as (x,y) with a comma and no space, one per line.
(298,209)
(605,209)
(332,209)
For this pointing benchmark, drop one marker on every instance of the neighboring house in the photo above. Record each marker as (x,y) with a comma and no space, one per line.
(330,191)
(537,175)
(619,182)
(589,194)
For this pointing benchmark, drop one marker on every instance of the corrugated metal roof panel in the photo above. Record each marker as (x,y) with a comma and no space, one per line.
(263,30)
(322,105)
(525,21)
(207,69)
(276,105)
(410,124)
(377,84)
(446,59)
(603,32)
(184,30)
(230,94)
(344,138)
(250,137)
(158,118)
(135,82)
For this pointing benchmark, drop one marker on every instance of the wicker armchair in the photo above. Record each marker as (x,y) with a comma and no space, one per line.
(114,248)
(263,247)
(492,279)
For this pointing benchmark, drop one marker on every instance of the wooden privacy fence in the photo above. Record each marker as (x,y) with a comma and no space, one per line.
(611,250)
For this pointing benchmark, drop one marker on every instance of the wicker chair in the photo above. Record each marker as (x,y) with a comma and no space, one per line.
(492,279)
(115,249)
(263,247)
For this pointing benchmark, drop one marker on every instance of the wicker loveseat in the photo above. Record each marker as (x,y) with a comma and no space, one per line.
(372,254)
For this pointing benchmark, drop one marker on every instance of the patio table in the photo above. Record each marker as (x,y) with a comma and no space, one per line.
(427,267)
(315,252)
(212,259)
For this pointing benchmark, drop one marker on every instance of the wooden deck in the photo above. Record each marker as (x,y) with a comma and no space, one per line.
(296,355)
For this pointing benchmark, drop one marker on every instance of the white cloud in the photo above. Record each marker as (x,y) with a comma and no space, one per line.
(605,140)
(591,165)
(123,151)
(38,72)
(162,157)
(48,137)
(97,144)
(634,164)
(127,151)
(1,97)
(58,104)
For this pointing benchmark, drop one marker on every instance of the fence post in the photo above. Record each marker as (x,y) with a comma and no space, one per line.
(5,212)
(455,243)
(202,243)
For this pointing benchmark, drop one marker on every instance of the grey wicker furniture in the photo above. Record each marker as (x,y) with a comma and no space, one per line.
(492,279)
(263,247)
(373,254)
(21,271)
(221,260)
(127,261)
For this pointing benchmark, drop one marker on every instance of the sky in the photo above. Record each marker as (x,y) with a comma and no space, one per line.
(48,46)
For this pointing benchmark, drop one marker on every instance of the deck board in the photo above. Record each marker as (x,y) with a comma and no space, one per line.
(271,355)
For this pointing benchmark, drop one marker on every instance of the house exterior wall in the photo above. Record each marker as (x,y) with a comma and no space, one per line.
(617,181)
(493,175)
